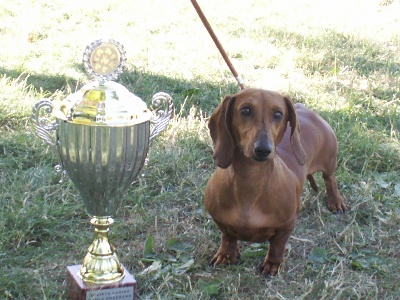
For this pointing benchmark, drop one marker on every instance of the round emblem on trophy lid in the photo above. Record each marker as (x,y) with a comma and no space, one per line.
(104,59)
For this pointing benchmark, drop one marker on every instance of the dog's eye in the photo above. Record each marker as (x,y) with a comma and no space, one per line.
(278,116)
(245,111)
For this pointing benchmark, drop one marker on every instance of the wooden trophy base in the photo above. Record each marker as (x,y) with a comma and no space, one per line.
(79,290)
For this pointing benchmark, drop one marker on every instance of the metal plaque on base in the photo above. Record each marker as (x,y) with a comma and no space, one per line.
(77,289)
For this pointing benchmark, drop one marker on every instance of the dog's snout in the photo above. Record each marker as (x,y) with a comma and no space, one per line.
(262,149)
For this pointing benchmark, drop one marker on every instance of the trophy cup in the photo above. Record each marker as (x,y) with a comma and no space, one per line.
(101,135)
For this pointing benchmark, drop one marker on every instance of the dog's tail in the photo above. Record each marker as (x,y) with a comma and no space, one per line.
(312,182)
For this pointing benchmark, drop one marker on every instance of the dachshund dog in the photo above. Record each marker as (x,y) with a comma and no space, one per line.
(254,194)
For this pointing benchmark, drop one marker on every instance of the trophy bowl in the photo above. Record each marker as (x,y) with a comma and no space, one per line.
(101,135)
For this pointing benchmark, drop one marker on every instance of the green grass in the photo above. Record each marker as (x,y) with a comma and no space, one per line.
(340,58)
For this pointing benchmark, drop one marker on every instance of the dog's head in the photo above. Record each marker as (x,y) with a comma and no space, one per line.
(253,121)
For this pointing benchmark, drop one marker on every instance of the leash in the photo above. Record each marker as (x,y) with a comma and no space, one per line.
(217,43)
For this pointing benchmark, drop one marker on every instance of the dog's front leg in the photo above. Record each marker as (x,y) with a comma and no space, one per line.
(227,253)
(276,251)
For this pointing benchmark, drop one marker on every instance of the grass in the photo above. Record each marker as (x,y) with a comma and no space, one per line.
(340,58)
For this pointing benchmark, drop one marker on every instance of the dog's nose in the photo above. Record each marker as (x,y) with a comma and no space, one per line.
(262,149)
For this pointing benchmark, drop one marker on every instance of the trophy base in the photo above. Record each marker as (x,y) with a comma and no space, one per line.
(77,289)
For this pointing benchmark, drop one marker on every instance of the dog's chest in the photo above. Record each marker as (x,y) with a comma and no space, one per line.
(249,223)
(251,206)
(253,213)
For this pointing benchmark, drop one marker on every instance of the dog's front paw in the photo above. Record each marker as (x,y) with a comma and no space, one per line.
(224,257)
(269,268)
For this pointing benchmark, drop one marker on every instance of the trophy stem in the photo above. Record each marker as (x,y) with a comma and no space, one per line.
(101,264)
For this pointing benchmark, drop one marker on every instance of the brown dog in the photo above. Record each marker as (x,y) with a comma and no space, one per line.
(254,195)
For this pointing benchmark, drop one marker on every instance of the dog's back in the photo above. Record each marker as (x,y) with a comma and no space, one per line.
(318,141)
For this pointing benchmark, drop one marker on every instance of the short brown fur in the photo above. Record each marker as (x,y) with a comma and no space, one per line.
(254,195)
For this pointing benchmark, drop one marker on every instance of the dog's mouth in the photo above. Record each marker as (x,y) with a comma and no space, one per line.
(261,157)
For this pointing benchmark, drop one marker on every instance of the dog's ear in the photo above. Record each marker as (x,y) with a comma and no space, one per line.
(295,132)
(220,132)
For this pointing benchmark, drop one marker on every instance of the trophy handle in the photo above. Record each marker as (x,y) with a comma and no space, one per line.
(162,111)
(44,128)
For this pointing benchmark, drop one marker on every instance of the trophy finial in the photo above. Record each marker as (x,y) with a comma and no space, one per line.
(104,59)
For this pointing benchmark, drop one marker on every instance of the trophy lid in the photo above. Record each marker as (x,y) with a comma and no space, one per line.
(103,102)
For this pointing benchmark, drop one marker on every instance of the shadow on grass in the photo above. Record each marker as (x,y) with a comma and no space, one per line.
(367,129)
(185,93)
(40,82)
(340,51)
(361,129)
(358,130)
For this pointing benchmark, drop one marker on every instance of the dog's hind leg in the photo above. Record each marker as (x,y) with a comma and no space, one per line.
(335,200)
(312,182)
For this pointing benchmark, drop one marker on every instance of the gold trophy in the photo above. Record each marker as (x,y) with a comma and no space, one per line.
(102,136)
